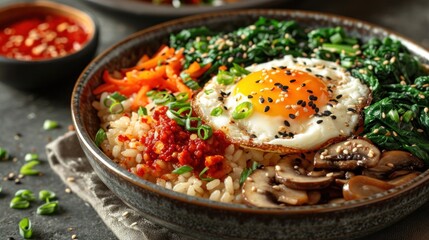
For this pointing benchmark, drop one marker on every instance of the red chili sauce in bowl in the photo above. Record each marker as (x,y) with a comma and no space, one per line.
(41,37)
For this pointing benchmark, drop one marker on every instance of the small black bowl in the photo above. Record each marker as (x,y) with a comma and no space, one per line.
(39,74)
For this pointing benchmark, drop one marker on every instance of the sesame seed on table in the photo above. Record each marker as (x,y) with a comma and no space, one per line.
(23,113)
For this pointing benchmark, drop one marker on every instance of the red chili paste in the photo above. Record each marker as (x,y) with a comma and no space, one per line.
(169,142)
(41,37)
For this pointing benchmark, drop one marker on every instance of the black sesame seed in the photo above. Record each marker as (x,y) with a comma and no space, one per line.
(316,109)
(333,100)
(220,98)
(286,123)
(261,100)
(253,136)
(308,69)
(351,110)
(282,67)
(285,88)
(277,84)
(288,72)
(327,77)
(270,99)
(333,117)
(224,107)
(319,76)
(267,108)
(327,113)
(303,104)
(309,91)
(303,85)
(329,104)
(258,81)
(299,102)
(291,135)
(249,96)
(292,116)
(312,97)
(292,81)
(339,96)
(319,121)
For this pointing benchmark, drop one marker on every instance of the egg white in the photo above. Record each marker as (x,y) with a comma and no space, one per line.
(261,131)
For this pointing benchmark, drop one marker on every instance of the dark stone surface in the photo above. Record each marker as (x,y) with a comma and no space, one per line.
(22,114)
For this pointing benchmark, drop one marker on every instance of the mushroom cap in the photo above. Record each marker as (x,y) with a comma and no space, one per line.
(362,186)
(286,174)
(347,155)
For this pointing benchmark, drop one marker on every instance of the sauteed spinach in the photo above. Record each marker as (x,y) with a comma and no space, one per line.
(398,117)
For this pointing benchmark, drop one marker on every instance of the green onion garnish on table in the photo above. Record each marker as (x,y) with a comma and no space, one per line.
(27,169)
(50,124)
(4,155)
(25,229)
(46,195)
(31,156)
(47,208)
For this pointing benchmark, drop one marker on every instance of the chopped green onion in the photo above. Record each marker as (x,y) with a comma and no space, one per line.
(238,70)
(31,157)
(19,203)
(117,97)
(247,171)
(116,108)
(182,97)
(243,110)
(176,117)
(204,132)
(50,124)
(162,98)
(192,84)
(208,91)
(407,116)
(225,78)
(183,169)
(4,155)
(25,194)
(25,228)
(47,208)
(349,50)
(336,38)
(100,136)
(393,114)
(142,111)
(204,178)
(217,111)
(46,195)
(27,169)
(190,120)
(151,93)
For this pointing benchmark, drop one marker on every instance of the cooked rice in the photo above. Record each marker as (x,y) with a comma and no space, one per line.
(129,155)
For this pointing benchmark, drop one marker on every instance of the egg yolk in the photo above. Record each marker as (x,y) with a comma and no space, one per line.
(292,94)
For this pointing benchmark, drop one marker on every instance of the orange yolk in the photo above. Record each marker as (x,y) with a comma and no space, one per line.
(291,94)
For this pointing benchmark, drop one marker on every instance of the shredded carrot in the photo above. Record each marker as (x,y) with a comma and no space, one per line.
(161,71)
(223,68)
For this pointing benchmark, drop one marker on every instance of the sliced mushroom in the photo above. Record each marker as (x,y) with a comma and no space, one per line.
(314,197)
(347,155)
(261,190)
(391,161)
(404,178)
(362,186)
(288,174)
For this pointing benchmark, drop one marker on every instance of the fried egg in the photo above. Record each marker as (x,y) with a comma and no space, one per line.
(285,105)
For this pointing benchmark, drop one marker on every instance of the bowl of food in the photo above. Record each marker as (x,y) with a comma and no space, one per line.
(43,43)
(260,124)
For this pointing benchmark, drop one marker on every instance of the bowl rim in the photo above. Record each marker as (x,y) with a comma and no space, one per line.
(93,33)
(113,168)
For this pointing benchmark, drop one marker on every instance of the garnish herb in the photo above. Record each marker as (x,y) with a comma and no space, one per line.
(3,154)
(25,194)
(182,97)
(192,84)
(117,97)
(183,169)
(208,91)
(247,171)
(100,136)
(50,124)
(46,195)
(217,111)
(25,229)
(243,110)
(191,122)
(204,132)
(27,169)
(47,208)
(31,156)
(116,108)
(19,203)
(205,178)
(225,78)
(142,111)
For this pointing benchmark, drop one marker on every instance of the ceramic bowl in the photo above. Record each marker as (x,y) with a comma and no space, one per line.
(47,72)
(205,219)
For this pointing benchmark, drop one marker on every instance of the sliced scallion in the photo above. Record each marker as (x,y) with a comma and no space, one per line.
(190,123)
(47,208)
(151,93)
(217,111)
(407,116)
(3,154)
(46,195)
(100,136)
(117,97)
(243,110)
(393,114)
(142,111)
(25,194)
(238,70)
(192,84)
(247,171)
(50,124)
(31,157)
(204,132)
(116,108)
(25,229)
(182,97)
(19,203)
(225,78)
(204,178)
(27,169)
(336,38)
(183,169)
(208,91)
(163,98)
(339,48)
